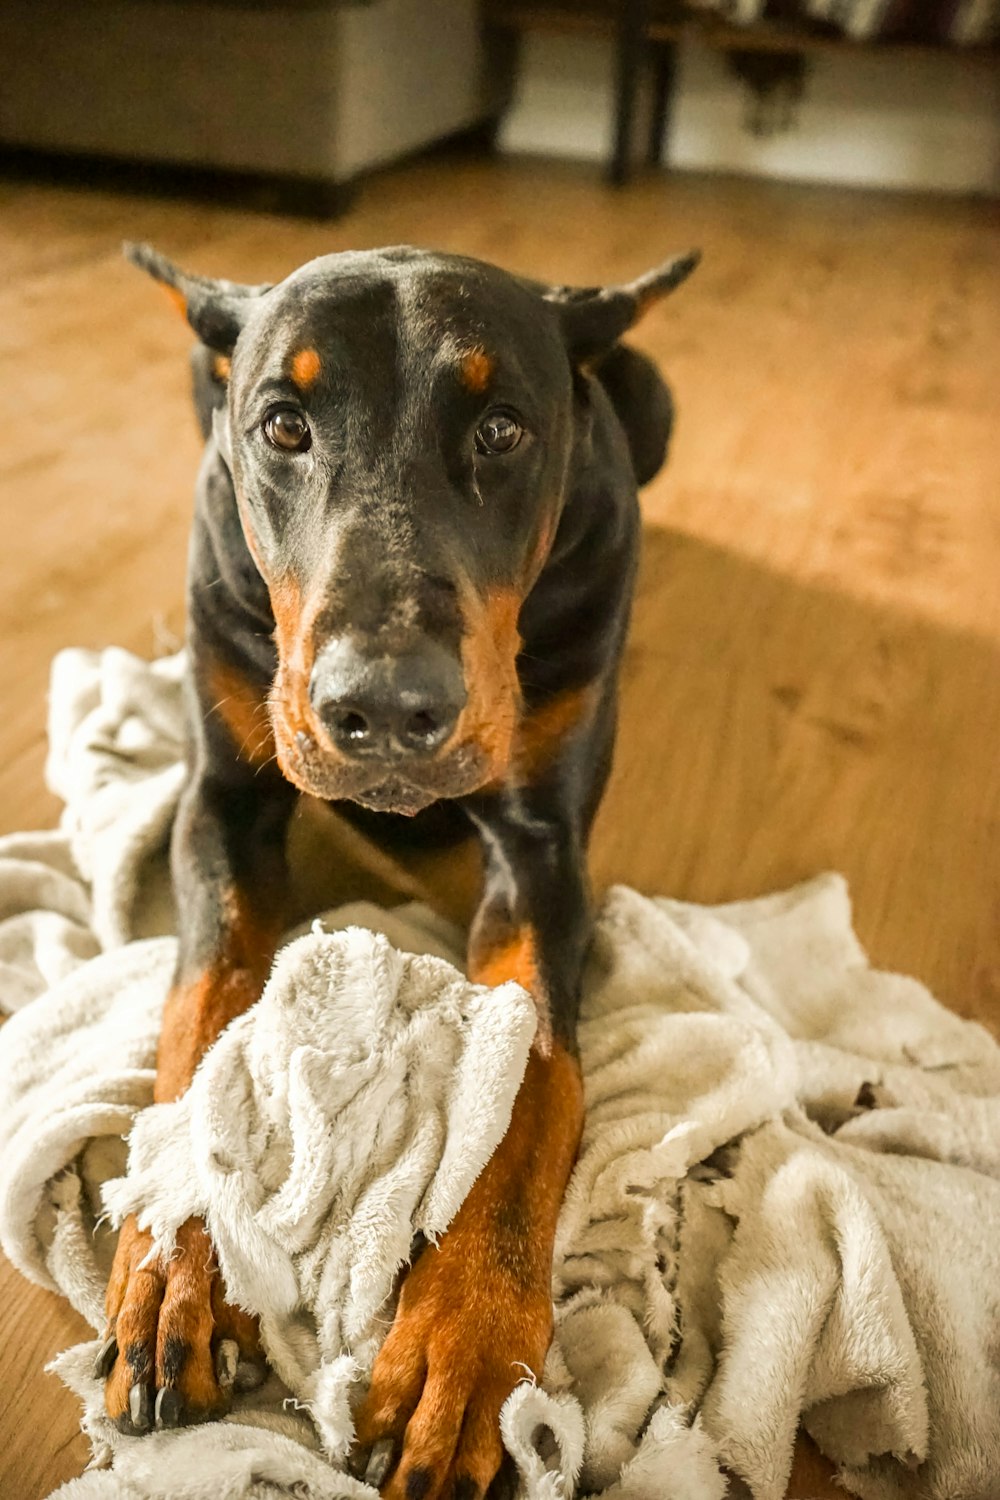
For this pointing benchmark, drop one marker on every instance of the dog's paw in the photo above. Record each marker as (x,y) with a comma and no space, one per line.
(175,1349)
(468,1327)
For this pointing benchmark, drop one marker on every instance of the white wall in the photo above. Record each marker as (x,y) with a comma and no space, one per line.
(905,120)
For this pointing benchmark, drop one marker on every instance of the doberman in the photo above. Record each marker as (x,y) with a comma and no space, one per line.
(410,577)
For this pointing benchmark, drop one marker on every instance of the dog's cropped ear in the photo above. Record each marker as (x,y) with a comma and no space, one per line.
(594,318)
(216,310)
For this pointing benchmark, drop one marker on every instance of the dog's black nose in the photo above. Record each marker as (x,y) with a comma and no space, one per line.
(385,707)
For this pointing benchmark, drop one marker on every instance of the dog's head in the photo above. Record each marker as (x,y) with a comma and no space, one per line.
(400,427)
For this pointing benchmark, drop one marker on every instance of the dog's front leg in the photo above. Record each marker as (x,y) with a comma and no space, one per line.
(475,1312)
(173,1344)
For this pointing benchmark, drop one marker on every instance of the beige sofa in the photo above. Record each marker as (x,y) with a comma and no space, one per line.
(307,93)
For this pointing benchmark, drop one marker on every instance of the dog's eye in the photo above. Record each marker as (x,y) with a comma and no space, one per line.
(287,429)
(498,432)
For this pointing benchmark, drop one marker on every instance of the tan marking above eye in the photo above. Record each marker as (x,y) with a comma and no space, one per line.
(306,365)
(476,370)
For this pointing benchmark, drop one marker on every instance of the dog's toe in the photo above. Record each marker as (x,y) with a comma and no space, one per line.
(175,1350)
(429,1426)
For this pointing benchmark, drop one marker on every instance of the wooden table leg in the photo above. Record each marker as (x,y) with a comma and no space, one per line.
(630,34)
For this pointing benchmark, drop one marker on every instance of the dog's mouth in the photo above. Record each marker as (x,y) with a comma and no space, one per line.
(405,785)
(395,796)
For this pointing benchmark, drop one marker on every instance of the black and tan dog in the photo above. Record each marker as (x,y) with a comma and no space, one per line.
(410,578)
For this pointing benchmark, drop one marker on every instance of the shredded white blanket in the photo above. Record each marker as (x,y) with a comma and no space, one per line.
(786,1206)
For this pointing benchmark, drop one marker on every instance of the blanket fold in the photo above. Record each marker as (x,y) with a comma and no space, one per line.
(785,1208)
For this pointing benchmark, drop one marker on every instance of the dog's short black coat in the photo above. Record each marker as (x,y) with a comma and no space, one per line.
(411,570)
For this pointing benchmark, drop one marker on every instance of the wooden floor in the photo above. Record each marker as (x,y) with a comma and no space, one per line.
(814,675)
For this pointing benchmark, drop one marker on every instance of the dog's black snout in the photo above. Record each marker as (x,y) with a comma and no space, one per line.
(385,707)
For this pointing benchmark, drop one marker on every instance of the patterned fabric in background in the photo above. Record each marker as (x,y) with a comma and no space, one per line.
(965,23)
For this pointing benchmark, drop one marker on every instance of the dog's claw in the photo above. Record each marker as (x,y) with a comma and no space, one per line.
(106,1356)
(379,1462)
(140,1407)
(250,1374)
(167,1412)
(227,1361)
